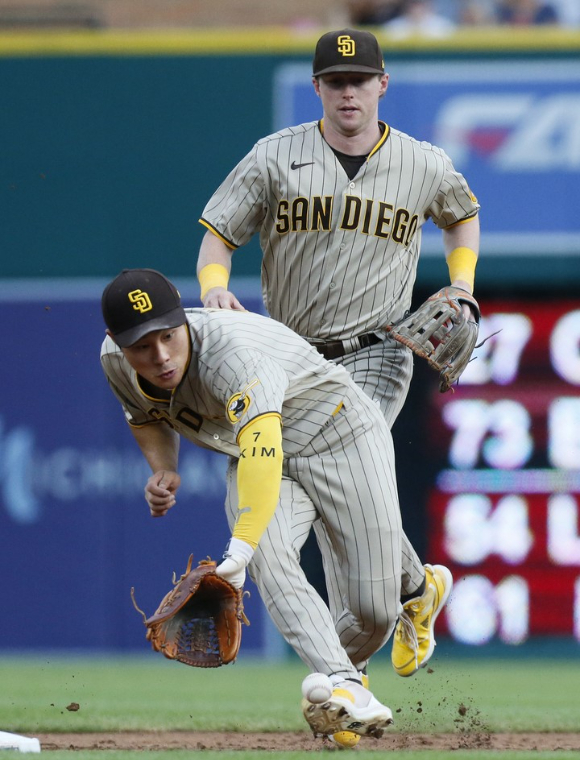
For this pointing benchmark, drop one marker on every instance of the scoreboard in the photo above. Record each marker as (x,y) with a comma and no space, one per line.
(504,506)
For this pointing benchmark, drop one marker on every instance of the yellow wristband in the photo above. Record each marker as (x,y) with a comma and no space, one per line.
(461,263)
(213,276)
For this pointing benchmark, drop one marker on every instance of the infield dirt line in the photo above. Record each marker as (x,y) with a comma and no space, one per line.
(300,740)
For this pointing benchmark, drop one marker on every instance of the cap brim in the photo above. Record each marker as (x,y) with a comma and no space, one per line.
(173,318)
(346,67)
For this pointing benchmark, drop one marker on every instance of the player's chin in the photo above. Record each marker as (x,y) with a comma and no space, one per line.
(169,380)
(350,122)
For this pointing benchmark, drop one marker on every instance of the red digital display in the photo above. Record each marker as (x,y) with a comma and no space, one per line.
(504,510)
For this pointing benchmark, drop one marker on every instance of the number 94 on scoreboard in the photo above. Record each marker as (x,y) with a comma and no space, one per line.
(504,506)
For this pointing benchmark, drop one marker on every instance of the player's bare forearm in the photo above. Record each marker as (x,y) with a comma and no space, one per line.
(463,234)
(159,445)
(215,251)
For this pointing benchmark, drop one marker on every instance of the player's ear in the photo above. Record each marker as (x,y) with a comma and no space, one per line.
(316,85)
(384,79)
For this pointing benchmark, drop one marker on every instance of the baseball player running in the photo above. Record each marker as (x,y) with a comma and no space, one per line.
(339,205)
(305,445)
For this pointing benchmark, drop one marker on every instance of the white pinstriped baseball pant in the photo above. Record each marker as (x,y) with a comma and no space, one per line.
(384,372)
(344,478)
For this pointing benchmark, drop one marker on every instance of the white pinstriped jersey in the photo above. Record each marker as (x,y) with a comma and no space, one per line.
(242,365)
(337,470)
(339,255)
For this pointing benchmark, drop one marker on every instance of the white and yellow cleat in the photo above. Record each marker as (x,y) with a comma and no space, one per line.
(348,739)
(351,708)
(414,638)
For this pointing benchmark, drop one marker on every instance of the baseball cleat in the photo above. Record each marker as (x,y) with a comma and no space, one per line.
(351,708)
(348,739)
(364,678)
(414,639)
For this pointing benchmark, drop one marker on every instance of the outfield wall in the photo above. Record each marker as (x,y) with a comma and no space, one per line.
(113,142)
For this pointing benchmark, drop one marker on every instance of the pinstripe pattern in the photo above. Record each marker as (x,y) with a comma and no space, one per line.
(341,481)
(340,255)
(337,473)
(231,349)
(384,373)
(329,274)
(320,278)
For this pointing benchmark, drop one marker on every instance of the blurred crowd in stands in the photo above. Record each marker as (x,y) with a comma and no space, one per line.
(437,18)
(399,18)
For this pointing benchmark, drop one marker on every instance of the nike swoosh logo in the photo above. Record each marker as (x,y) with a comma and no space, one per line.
(294,165)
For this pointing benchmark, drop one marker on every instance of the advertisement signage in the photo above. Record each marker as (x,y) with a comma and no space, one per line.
(75,531)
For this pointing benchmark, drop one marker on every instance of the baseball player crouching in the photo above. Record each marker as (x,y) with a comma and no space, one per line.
(305,445)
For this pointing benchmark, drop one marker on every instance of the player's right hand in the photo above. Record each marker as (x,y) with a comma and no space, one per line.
(160,491)
(220,298)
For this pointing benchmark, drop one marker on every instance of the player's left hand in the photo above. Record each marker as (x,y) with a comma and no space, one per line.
(160,491)
(233,569)
(236,557)
(440,332)
(468,311)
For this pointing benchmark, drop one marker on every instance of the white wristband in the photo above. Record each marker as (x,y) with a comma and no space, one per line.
(238,548)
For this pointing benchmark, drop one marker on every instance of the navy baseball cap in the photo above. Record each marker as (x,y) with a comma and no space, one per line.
(348,50)
(139,301)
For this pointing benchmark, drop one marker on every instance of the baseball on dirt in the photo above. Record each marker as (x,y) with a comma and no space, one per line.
(317,688)
(346,739)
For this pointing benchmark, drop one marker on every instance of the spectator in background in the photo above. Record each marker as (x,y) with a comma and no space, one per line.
(373,12)
(419,17)
(526,13)
(476,13)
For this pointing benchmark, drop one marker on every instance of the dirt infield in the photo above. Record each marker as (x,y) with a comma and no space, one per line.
(199,740)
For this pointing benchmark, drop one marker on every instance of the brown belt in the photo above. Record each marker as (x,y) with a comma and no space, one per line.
(333,349)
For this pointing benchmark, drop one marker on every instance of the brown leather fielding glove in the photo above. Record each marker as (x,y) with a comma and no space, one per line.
(199,622)
(439,332)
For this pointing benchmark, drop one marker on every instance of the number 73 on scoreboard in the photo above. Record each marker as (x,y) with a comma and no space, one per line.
(504,505)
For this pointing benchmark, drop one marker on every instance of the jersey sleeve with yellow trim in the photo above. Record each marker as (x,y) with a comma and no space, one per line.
(454,201)
(211,228)
(236,209)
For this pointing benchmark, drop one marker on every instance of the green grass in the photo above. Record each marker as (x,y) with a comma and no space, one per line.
(155,694)
(358,755)
(151,693)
